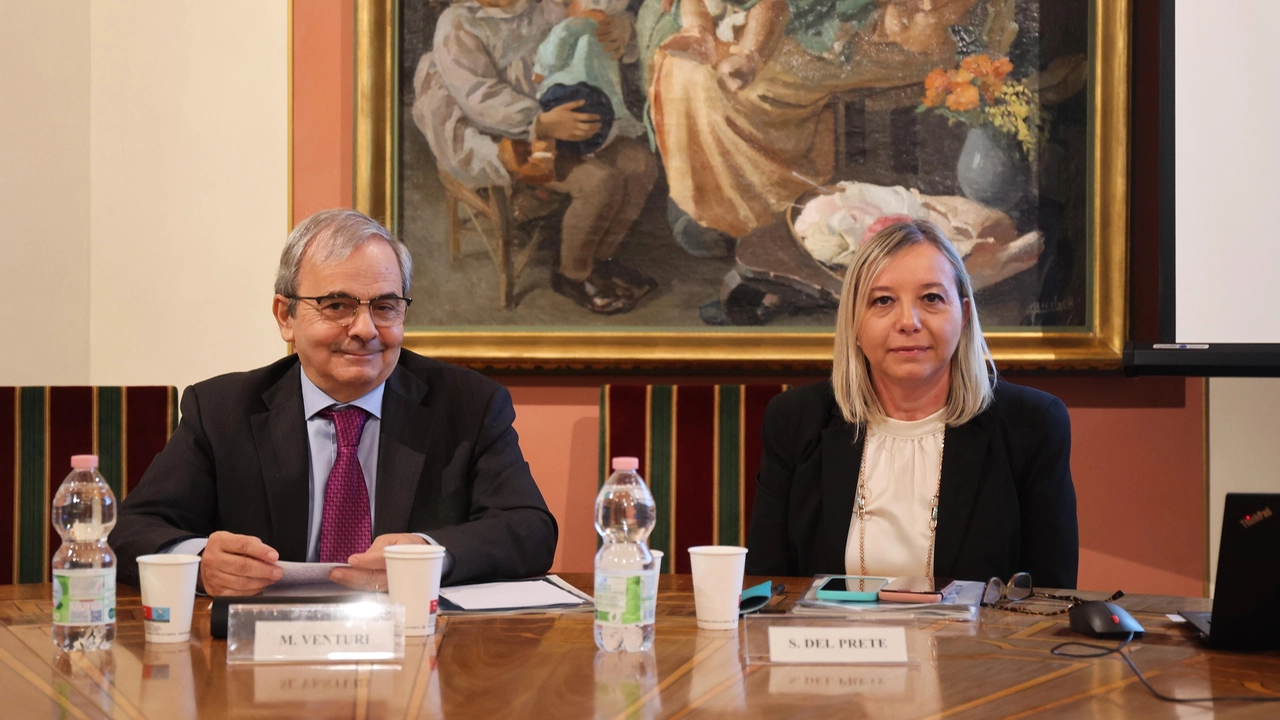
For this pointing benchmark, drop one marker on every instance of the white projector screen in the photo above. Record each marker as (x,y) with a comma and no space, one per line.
(1227,171)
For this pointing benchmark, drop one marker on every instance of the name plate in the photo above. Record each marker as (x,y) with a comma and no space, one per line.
(832,645)
(336,632)
(322,640)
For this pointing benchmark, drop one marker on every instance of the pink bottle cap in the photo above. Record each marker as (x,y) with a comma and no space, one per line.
(84,462)
(626,463)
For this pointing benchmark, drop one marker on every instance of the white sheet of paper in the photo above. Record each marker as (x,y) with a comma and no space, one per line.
(320,589)
(500,595)
(297,573)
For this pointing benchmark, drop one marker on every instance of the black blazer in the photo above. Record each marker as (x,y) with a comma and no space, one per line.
(449,464)
(1006,502)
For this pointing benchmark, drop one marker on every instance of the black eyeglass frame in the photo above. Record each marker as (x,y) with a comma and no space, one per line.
(1006,603)
(319,301)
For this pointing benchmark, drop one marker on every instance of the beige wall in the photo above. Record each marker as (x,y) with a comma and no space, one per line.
(1244,444)
(44,191)
(188,166)
(143,189)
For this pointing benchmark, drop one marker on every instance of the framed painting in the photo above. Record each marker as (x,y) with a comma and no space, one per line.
(679,184)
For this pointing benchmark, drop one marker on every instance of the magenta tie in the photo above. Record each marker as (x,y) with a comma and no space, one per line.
(345,526)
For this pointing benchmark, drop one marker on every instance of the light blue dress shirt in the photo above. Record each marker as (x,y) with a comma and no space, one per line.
(323,439)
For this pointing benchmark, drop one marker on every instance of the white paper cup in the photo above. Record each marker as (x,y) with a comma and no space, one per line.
(168,591)
(657,566)
(413,579)
(717,584)
(657,560)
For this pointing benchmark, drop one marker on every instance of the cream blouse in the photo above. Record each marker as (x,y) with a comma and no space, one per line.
(903,463)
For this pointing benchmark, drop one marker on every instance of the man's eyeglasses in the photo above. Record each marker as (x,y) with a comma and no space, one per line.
(1002,595)
(342,309)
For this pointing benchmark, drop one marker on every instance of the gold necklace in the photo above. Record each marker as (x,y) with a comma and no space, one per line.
(860,506)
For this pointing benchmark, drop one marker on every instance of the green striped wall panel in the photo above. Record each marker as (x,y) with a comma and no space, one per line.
(659,462)
(111,437)
(33,482)
(729,465)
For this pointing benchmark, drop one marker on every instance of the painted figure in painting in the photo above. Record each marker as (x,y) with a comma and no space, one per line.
(740,91)
(574,65)
(477,102)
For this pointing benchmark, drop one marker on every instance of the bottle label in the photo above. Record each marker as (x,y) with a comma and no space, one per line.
(626,599)
(84,596)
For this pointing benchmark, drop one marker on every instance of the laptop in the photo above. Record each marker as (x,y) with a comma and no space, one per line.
(1246,604)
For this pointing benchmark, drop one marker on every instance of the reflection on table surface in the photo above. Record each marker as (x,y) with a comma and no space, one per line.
(548,666)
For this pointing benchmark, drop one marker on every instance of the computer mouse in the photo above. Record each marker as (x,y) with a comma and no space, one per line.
(1102,619)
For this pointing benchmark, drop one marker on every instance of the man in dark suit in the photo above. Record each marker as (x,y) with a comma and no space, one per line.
(349,446)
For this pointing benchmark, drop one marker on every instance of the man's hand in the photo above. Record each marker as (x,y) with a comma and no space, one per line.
(237,565)
(562,123)
(368,569)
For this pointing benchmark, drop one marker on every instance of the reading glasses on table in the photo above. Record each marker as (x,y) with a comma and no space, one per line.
(1001,595)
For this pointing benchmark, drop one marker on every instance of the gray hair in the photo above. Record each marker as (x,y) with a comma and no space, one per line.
(331,236)
(973,371)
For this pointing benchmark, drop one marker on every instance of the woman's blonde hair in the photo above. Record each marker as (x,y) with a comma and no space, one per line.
(973,372)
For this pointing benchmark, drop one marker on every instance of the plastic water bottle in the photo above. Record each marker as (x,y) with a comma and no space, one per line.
(84,568)
(626,589)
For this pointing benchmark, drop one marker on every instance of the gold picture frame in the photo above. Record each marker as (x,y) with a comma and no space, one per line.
(1098,347)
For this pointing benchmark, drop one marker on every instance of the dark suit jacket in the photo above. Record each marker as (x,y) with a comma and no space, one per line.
(1006,503)
(449,465)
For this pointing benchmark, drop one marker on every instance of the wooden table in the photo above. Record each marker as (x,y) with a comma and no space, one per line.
(547,666)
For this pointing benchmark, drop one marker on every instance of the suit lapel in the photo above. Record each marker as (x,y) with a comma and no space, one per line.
(963,460)
(841,459)
(280,435)
(402,446)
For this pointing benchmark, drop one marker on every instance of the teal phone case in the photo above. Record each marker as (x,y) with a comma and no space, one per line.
(867,592)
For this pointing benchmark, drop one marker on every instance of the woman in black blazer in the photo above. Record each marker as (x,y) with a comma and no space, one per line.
(910,359)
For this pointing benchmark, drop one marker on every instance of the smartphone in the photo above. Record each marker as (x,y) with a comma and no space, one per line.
(915,590)
(851,587)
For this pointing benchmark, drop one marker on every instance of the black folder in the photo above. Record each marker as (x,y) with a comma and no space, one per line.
(222,605)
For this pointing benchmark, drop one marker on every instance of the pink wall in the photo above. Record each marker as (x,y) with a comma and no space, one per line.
(323,105)
(1138,460)
(1138,455)
(559,434)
